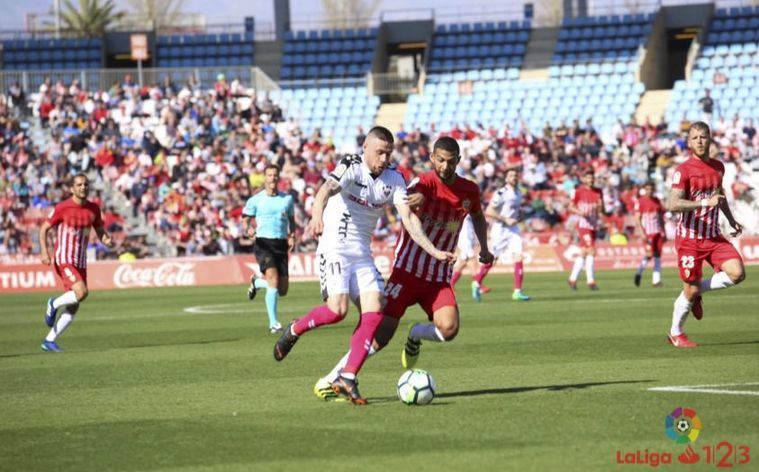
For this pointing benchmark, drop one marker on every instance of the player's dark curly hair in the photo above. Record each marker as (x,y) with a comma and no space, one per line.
(448,144)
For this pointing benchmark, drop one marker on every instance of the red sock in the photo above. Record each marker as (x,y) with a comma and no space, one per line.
(483,272)
(361,341)
(319,316)
(455,278)
(518,275)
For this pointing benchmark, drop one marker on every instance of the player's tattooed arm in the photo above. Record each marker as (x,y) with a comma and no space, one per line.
(44,249)
(480,226)
(414,228)
(679,204)
(328,189)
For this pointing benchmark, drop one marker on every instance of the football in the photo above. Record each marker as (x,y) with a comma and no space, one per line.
(683,426)
(416,387)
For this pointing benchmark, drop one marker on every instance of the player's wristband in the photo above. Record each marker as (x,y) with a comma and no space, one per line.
(704,203)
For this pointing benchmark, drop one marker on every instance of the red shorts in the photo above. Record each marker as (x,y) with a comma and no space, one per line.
(587,237)
(404,290)
(655,243)
(691,254)
(70,274)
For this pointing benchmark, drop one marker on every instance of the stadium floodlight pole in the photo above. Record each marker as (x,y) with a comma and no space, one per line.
(57,6)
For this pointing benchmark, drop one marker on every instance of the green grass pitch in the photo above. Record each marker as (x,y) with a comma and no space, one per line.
(557,383)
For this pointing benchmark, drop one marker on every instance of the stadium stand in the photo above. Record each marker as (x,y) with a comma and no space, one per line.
(328,54)
(206,50)
(728,65)
(172,163)
(479,45)
(46,54)
(602,38)
(337,112)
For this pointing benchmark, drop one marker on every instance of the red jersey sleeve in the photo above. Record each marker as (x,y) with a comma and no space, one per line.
(55,216)
(680,177)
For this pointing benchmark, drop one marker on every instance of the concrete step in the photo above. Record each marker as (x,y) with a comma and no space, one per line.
(391,115)
(652,105)
(540,48)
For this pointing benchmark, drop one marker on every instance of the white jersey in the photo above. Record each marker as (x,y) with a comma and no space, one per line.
(351,216)
(507,202)
(467,239)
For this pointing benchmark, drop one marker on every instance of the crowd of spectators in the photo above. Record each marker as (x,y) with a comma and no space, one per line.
(182,159)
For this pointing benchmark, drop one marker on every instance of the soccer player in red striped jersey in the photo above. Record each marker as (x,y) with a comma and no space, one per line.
(588,205)
(418,278)
(72,219)
(649,213)
(698,197)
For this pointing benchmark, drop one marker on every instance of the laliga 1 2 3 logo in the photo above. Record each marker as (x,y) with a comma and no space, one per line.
(683,426)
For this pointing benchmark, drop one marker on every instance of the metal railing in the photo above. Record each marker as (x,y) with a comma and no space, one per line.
(392,84)
(323,83)
(103,79)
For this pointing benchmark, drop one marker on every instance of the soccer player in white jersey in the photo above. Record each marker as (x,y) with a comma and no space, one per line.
(505,212)
(355,195)
(466,251)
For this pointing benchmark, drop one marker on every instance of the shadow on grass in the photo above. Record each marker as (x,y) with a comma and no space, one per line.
(501,391)
(549,388)
(729,344)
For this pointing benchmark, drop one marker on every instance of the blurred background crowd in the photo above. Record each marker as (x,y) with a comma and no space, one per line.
(172,165)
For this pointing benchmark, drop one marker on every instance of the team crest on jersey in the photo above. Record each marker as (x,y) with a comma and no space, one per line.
(466,204)
(386,190)
(453,226)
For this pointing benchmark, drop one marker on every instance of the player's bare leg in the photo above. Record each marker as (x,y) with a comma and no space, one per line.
(445,327)
(732,273)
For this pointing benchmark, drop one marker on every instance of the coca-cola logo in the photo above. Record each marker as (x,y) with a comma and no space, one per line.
(168,274)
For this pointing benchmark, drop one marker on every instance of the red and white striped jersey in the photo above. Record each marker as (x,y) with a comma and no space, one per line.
(588,200)
(442,216)
(699,180)
(74,223)
(650,210)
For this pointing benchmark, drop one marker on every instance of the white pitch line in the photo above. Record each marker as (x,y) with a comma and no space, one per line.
(715,389)
(221,308)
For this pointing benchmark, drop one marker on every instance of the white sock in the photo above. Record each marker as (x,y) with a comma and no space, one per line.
(427,331)
(589,273)
(718,281)
(60,326)
(576,269)
(642,266)
(656,277)
(68,298)
(679,314)
(335,372)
